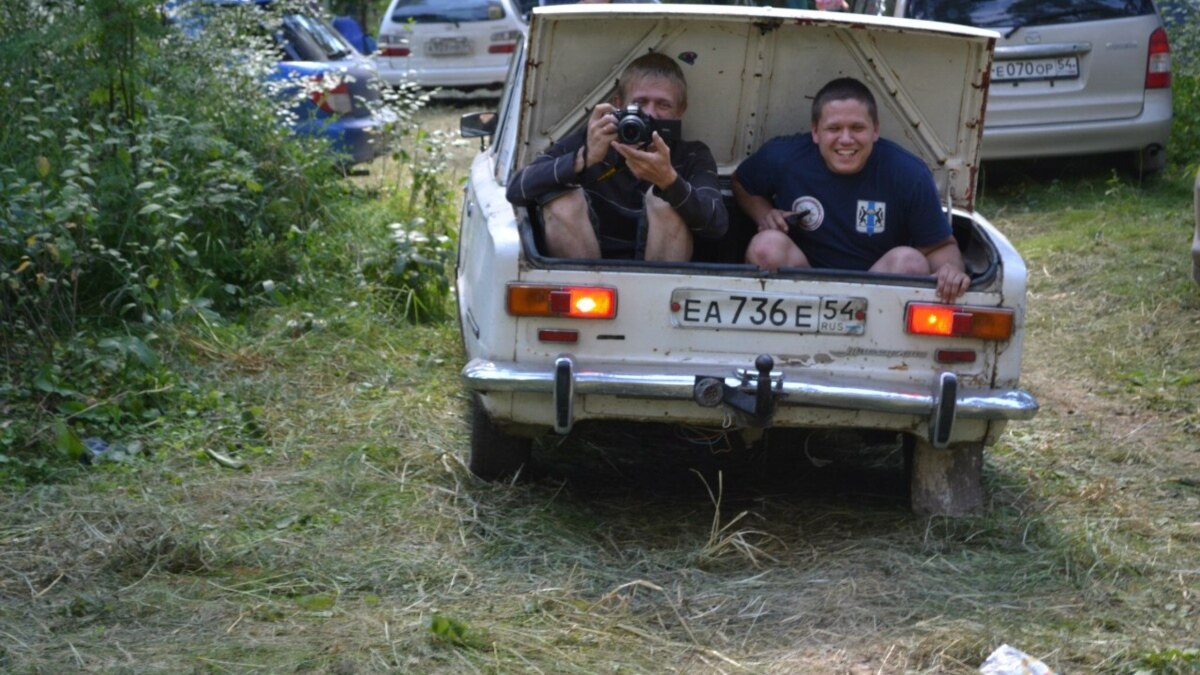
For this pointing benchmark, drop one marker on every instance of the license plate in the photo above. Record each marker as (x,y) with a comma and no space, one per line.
(835,315)
(448,46)
(1058,68)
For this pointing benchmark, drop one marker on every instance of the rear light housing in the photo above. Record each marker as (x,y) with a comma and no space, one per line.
(1158,61)
(504,42)
(574,302)
(984,323)
(334,100)
(394,46)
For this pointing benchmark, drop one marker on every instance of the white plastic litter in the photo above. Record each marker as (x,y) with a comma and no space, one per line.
(1008,660)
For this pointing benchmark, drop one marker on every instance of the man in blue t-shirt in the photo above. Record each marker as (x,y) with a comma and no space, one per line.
(856,201)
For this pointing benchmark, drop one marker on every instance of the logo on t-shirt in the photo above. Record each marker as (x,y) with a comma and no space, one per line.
(812,214)
(872,217)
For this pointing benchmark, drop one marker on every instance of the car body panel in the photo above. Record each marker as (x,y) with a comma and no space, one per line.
(1105,108)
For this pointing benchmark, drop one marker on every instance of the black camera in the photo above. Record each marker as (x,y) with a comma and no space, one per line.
(635,127)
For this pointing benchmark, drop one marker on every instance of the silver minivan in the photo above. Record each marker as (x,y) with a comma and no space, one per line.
(1070,77)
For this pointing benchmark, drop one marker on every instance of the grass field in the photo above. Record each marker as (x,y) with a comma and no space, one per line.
(352,538)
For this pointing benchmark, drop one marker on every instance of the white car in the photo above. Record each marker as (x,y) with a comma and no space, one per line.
(551,342)
(463,44)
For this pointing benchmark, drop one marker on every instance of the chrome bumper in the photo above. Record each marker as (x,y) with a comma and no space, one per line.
(565,379)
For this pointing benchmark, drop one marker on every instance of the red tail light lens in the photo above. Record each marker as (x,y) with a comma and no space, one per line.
(986,323)
(1158,61)
(576,302)
(502,49)
(395,51)
(334,100)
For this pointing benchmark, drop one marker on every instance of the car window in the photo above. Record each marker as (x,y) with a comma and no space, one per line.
(446,11)
(1008,13)
(310,39)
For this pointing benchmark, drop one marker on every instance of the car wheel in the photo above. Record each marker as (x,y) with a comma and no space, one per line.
(945,481)
(1147,162)
(494,454)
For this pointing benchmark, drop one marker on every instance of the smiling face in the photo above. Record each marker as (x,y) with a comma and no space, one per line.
(845,134)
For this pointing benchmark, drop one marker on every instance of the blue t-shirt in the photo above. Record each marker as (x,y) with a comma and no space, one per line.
(852,220)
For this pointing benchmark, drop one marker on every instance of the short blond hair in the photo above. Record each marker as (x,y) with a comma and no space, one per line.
(652,65)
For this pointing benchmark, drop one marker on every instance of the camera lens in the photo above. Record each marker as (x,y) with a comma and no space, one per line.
(631,129)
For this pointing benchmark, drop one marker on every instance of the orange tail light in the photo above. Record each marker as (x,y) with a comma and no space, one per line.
(985,323)
(576,302)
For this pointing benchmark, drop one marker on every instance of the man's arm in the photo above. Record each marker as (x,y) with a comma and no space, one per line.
(567,163)
(694,190)
(946,264)
(759,208)
(550,171)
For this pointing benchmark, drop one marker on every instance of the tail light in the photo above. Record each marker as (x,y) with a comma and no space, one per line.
(504,42)
(575,302)
(985,323)
(394,45)
(1158,61)
(334,101)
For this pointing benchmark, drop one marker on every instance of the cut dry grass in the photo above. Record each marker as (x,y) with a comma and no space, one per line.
(356,541)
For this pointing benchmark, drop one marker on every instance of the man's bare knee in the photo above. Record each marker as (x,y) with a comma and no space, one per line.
(568,227)
(902,260)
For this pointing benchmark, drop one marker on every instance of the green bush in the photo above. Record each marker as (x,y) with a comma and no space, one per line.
(146,181)
(139,179)
(1184,34)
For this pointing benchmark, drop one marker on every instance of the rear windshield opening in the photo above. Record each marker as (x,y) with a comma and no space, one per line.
(1008,13)
(447,11)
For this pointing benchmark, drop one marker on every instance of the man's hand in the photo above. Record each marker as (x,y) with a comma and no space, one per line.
(947,264)
(951,282)
(773,219)
(601,132)
(652,164)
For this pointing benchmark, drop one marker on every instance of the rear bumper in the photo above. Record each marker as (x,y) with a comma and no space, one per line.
(1149,129)
(990,404)
(474,76)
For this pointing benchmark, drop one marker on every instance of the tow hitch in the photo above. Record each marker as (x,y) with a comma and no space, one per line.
(753,398)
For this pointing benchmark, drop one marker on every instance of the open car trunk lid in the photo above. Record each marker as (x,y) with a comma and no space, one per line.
(752,74)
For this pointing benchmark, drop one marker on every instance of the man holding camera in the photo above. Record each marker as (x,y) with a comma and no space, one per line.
(627,186)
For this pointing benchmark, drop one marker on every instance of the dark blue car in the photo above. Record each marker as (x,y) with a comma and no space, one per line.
(332,90)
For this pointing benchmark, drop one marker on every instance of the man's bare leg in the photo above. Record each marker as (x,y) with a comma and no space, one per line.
(667,237)
(902,260)
(568,227)
(772,249)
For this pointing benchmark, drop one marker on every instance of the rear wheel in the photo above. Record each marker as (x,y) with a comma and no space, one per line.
(946,481)
(494,455)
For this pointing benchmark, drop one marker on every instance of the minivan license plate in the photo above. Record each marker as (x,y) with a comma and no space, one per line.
(836,315)
(1058,68)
